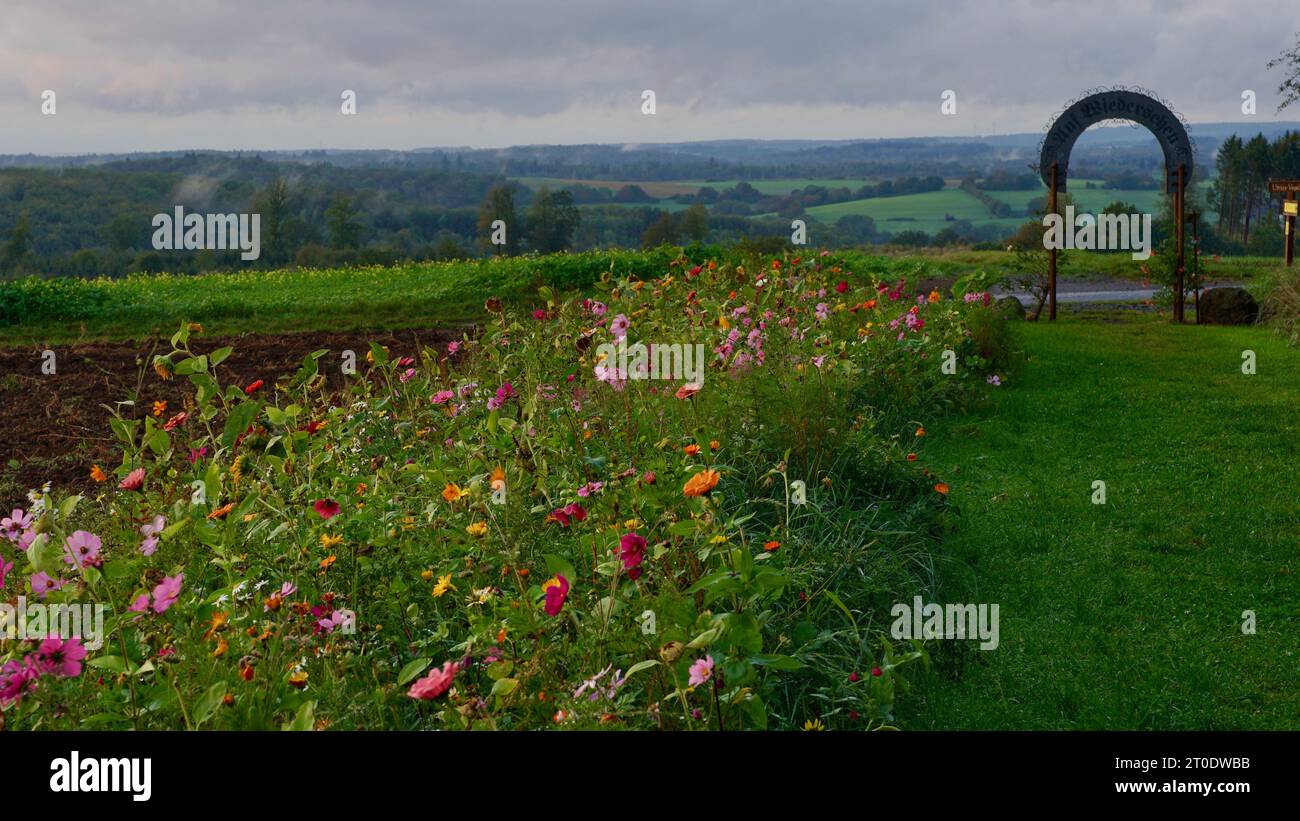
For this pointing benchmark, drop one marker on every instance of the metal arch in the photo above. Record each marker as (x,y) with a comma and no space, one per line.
(1117,104)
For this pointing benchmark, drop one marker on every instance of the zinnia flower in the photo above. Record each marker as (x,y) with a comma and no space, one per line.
(435,683)
(701,483)
(133,481)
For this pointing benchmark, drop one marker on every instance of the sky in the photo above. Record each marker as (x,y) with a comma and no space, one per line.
(146,75)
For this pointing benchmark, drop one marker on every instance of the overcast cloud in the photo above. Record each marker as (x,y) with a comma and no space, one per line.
(266,74)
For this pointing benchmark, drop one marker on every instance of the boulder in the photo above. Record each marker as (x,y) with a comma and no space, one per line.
(1228,306)
(1011,307)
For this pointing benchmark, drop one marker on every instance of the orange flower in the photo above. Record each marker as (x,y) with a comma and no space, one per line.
(452,492)
(222,647)
(911,457)
(218,619)
(701,483)
(97,473)
(934,296)
(501,636)
(328,562)
(159,407)
(498,480)
(298,679)
(941,488)
(920,432)
(772,546)
(691,450)
(220,513)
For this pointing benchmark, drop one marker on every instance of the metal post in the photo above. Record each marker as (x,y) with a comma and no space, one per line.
(1290,230)
(1178,277)
(1051,254)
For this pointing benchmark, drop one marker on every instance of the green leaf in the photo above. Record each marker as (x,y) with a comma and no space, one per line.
(113,663)
(208,703)
(411,670)
(777,662)
(558,566)
(504,686)
(238,421)
(304,720)
(219,355)
(641,665)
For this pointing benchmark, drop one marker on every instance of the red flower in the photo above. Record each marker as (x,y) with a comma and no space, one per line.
(876,671)
(841,286)
(253,386)
(327,508)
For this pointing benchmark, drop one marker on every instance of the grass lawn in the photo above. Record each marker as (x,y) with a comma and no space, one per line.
(1126,615)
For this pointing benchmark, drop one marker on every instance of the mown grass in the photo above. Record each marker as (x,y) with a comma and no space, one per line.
(1127,615)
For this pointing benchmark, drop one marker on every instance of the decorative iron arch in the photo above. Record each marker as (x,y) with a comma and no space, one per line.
(1117,104)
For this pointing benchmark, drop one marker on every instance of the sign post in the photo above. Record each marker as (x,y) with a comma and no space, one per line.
(1290,209)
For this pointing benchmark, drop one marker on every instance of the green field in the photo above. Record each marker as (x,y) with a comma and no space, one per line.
(1127,614)
(917,212)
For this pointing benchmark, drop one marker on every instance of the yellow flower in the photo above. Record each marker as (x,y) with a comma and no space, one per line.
(159,407)
(814,724)
(427,575)
(329,542)
(444,584)
(477,530)
(718,540)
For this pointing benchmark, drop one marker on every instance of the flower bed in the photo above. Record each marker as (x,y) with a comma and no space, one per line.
(560,521)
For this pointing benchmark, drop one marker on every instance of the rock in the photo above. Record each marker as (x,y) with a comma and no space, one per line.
(1012,307)
(1228,306)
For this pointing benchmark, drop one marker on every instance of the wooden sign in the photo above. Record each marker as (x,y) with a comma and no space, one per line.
(1283,186)
(1291,208)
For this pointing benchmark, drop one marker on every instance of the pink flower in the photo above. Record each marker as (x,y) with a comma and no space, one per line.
(327,508)
(151,531)
(619,326)
(562,515)
(17,679)
(435,683)
(443,397)
(15,523)
(648,477)
(167,591)
(631,551)
(407,375)
(61,657)
(5,567)
(334,620)
(701,671)
(133,481)
(82,548)
(452,347)
(288,589)
(140,605)
(42,584)
(557,591)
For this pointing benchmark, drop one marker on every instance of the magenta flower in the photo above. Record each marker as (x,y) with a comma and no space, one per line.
(140,605)
(327,508)
(631,550)
(60,657)
(557,591)
(435,683)
(5,567)
(167,591)
(15,523)
(701,671)
(443,397)
(82,548)
(334,620)
(17,679)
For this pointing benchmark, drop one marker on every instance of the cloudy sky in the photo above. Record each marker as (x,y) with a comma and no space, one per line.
(265,74)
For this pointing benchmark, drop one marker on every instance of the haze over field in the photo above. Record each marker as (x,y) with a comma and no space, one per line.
(269,76)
